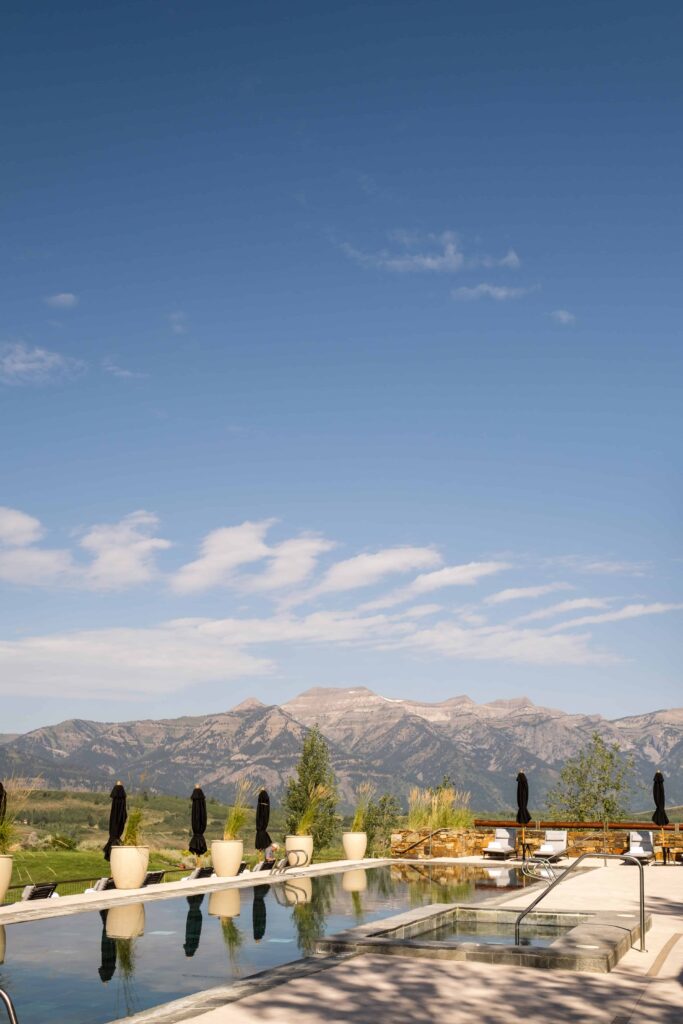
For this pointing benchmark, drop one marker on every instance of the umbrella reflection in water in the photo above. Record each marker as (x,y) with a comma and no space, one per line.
(193,924)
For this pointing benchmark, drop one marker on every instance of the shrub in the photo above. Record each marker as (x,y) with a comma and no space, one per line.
(133,834)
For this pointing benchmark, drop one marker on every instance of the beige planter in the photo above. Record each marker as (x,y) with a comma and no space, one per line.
(355,881)
(126,922)
(298,890)
(355,845)
(299,850)
(225,903)
(129,866)
(226,855)
(5,874)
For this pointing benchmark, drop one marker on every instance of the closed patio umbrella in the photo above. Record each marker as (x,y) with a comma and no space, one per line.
(660,817)
(258,911)
(117,818)
(523,816)
(193,924)
(198,842)
(108,949)
(263,840)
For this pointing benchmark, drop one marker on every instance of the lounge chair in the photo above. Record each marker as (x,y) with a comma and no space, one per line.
(39,892)
(199,873)
(640,846)
(152,878)
(553,847)
(502,845)
(266,865)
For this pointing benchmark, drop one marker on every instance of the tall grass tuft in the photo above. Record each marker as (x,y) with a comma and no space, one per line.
(444,807)
(18,792)
(316,795)
(364,795)
(133,833)
(239,811)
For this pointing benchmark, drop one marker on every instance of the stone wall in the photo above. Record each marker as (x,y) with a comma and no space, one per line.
(461,842)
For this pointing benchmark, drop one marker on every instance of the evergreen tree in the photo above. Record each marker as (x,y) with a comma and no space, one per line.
(382,819)
(313,770)
(593,785)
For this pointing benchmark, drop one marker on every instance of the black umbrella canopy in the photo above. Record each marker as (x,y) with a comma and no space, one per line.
(660,817)
(263,840)
(3,801)
(117,818)
(258,911)
(199,819)
(108,950)
(523,816)
(193,924)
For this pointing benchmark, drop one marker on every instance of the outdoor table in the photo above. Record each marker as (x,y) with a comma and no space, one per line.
(526,850)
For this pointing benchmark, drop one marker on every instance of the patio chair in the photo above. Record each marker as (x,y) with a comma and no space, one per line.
(640,845)
(152,878)
(42,891)
(199,873)
(553,847)
(502,845)
(102,885)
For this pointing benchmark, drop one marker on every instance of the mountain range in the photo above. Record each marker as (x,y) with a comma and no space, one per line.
(393,742)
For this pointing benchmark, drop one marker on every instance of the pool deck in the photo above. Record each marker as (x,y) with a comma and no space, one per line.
(645,988)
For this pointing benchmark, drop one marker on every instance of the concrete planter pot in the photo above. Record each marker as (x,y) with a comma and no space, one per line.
(5,874)
(129,866)
(299,850)
(126,922)
(225,903)
(355,845)
(226,855)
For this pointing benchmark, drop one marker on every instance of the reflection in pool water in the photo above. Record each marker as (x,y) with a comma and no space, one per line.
(100,966)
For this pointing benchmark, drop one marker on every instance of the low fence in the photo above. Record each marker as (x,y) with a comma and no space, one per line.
(584,836)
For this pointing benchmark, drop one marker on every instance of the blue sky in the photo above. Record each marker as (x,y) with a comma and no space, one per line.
(398,287)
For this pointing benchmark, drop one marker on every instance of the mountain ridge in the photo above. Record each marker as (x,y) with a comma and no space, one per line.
(395,742)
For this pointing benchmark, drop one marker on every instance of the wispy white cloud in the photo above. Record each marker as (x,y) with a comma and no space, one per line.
(18,528)
(500,293)
(563,316)
(450,576)
(444,255)
(562,607)
(119,371)
(599,566)
(178,322)
(519,593)
(291,563)
(222,552)
(123,552)
(62,300)
(510,260)
(629,611)
(368,569)
(20,364)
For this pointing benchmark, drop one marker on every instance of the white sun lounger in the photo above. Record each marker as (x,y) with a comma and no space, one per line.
(553,846)
(502,845)
(640,846)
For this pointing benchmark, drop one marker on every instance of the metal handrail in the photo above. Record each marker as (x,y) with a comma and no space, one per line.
(9,1006)
(423,839)
(561,878)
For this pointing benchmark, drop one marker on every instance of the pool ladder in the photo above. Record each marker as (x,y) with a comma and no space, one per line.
(9,1006)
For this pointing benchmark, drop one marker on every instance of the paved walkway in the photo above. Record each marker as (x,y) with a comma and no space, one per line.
(646,988)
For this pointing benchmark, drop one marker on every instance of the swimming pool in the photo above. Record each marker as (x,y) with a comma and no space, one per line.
(100,966)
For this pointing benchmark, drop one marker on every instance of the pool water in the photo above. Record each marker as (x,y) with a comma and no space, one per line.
(100,966)
(498,935)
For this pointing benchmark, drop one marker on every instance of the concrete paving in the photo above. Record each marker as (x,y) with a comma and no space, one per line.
(646,988)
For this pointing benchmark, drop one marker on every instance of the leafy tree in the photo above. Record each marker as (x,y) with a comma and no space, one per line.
(593,785)
(313,770)
(381,820)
